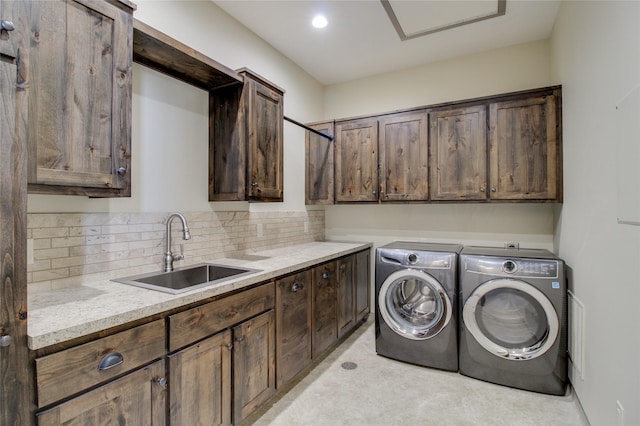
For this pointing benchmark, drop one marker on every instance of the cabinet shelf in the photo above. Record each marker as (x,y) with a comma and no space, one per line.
(162,53)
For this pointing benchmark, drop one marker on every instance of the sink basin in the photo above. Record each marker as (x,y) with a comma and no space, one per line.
(186,279)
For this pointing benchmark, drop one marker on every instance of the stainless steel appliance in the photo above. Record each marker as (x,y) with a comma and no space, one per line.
(416,306)
(513,328)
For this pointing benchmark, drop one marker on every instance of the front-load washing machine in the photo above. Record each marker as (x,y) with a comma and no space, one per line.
(513,328)
(416,319)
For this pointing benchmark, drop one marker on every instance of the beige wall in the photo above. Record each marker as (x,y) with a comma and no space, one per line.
(499,71)
(596,55)
(525,66)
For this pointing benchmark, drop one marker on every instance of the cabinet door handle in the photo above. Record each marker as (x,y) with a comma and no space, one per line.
(7,25)
(122,171)
(240,339)
(110,360)
(5,341)
(493,190)
(162,381)
(325,275)
(296,287)
(229,346)
(482,189)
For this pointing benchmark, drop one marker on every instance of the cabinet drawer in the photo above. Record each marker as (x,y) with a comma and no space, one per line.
(197,323)
(70,371)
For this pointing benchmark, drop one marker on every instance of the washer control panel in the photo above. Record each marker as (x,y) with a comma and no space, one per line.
(417,259)
(517,267)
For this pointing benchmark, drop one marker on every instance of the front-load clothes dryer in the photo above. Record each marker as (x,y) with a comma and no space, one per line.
(416,319)
(513,328)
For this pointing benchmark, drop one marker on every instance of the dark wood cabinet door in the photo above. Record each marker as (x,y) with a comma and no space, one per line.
(293,326)
(79,120)
(265,143)
(346,295)
(403,156)
(254,378)
(16,388)
(324,297)
(363,284)
(319,168)
(524,149)
(139,398)
(227,144)
(357,160)
(200,382)
(458,159)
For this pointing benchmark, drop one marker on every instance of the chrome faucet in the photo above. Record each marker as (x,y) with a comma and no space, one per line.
(186,235)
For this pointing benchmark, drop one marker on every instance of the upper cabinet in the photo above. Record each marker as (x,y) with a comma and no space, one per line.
(356,172)
(319,164)
(245,117)
(264,132)
(403,156)
(524,149)
(458,159)
(246,141)
(78,66)
(499,148)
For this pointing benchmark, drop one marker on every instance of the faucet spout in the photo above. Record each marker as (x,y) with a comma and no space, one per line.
(186,235)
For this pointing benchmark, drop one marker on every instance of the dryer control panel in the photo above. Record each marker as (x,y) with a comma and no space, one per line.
(517,267)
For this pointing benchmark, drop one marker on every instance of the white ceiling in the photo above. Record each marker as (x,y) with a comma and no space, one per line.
(361,39)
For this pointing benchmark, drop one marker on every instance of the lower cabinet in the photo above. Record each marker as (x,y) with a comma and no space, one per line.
(293,325)
(228,369)
(202,390)
(200,378)
(362,284)
(212,364)
(324,301)
(354,290)
(137,398)
(254,364)
(346,295)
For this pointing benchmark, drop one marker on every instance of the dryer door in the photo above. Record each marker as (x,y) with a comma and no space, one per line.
(511,319)
(414,304)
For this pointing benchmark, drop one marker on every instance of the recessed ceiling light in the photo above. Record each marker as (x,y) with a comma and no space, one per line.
(319,21)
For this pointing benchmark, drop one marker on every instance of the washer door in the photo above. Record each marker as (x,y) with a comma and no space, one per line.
(414,304)
(511,319)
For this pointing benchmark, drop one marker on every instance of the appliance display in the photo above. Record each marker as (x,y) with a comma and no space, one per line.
(416,306)
(513,328)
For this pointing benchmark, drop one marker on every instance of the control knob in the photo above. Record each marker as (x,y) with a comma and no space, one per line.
(509,266)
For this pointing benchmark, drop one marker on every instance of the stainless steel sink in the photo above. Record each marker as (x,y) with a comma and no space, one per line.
(188,278)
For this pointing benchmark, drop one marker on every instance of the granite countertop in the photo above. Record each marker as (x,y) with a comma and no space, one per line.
(60,315)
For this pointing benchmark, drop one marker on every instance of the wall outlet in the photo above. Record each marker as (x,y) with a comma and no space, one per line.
(620,411)
(260,230)
(512,245)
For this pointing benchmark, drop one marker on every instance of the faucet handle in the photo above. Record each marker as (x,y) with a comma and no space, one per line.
(181,255)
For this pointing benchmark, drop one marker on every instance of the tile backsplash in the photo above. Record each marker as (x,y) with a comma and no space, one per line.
(69,248)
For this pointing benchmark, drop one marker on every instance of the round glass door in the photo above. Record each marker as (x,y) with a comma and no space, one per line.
(511,319)
(414,304)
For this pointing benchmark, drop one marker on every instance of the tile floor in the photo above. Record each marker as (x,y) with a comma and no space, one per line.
(381,391)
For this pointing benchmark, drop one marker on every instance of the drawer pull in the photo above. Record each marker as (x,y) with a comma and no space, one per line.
(110,360)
